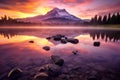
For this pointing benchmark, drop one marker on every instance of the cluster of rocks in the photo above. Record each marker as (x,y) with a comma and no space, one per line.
(63,39)
(44,73)
(53,69)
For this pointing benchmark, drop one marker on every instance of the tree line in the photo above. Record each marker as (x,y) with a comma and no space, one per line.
(6,20)
(106,19)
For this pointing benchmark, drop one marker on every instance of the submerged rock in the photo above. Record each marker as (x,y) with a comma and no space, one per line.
(31,41)
(42,69)
(41,76)
(64,41)
(53,70)
(75,52)
(57,60)
(15,73)
(58,37)
(47,48)
(73,41)
(97,44)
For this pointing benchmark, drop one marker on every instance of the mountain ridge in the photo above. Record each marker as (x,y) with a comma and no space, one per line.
(56,15)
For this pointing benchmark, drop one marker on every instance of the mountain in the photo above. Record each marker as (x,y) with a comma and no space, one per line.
(55,16)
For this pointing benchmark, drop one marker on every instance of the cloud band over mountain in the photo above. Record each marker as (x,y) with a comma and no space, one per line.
(80,8)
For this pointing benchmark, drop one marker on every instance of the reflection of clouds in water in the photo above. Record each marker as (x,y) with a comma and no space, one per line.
(104,34)
(23,38)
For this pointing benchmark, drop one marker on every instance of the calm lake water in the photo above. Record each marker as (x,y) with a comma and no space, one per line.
(16,51)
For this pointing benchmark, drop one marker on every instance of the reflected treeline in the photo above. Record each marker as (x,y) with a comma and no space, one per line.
(9,33)
(106,35)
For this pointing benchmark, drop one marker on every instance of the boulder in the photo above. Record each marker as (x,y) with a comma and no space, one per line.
(31,41)
(47,48)
(58,37)
(41,76)
(64,41)
(57,60)
(96,44)
(73,41)
(42,69)
(53,70)
(15,73)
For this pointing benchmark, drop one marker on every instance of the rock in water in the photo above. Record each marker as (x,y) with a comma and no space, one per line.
(97,44)
(75,52)
(53,70)
(58,37)
(64,41)
(42,69)
(57,60)
(15,73)
(73,41)
(41,76)
(47,48)
(48,38)
(31,41)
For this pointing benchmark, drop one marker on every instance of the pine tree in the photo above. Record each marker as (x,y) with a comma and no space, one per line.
(113,19)
(118,18)
(95,19)
(104,21)
(109,18)
(100,20)
(92,20)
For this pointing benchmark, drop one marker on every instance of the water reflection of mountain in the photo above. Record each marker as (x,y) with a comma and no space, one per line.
(9,33)
(106,35)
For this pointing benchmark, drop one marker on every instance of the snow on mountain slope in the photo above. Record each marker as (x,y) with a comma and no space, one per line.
(55,15)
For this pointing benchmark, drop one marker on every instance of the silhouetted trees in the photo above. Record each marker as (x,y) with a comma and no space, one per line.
(6,20)
(106,19)
(99,19)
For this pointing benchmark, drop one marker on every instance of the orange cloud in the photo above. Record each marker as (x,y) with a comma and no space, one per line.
(26,6)
(80,8)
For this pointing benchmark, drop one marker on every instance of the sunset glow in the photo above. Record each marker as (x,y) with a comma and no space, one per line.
(84,9)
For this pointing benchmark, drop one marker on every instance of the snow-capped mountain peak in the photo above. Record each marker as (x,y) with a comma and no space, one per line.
(61,13)
(56,15)
(58,12)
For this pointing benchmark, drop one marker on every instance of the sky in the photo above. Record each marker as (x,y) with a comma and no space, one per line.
(84,9)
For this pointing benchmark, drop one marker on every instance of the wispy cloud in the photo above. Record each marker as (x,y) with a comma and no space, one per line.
(80,8)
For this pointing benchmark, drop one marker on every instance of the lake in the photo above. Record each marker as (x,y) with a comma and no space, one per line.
(102,61)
